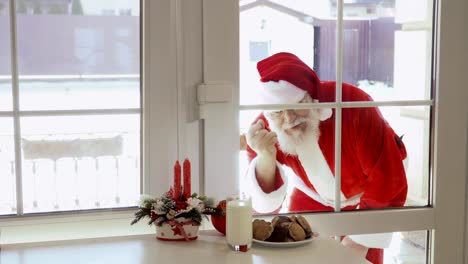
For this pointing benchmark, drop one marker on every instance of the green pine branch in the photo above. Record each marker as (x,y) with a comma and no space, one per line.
(140,214)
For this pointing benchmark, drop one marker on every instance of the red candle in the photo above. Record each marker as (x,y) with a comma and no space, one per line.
(187,179)
(177,180)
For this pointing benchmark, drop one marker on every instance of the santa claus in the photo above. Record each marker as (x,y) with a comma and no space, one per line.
(372,171)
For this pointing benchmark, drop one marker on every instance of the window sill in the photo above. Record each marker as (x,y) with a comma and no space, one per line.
(38,233)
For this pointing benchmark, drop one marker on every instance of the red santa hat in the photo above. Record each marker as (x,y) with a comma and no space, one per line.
(286,79)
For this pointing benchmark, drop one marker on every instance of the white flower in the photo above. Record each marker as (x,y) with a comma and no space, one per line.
(171,214)
(159,208)
(196,203)
(188,209)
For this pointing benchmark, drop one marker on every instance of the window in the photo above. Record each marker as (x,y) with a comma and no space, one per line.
(380,56)
(186,43)
(152,117)
(70,106)
(415,108)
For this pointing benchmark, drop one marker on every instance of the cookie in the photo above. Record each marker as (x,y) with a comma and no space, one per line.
(293,218)
(303,222)
(280,233)
(261,229)
(279,219)
(296,232)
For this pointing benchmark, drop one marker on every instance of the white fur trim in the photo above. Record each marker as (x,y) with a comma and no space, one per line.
(324,113)
(317,169)
(265,202)
(299,184)
(405,163)
(280,92)
(381,240)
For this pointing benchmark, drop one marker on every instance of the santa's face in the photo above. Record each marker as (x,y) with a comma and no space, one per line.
(293,127)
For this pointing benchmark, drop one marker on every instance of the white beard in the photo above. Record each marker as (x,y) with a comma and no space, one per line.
(289,143)
(304,145)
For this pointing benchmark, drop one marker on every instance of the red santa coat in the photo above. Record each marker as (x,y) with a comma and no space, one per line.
(371,156)
(372,172)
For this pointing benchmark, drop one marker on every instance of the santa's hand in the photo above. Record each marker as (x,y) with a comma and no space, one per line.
(261,140)
(358,249)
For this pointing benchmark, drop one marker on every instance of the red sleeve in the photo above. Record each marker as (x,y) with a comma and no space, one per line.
(381,153)
(251,154)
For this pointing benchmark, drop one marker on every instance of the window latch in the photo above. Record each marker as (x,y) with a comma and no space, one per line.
(208,93)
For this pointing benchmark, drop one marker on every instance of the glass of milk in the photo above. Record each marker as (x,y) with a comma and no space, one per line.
(239,222)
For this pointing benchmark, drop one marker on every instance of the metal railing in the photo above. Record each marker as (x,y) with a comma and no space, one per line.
(73,174)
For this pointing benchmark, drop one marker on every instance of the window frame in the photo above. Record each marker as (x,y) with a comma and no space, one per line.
(15,113)
(445,218)
(164,104)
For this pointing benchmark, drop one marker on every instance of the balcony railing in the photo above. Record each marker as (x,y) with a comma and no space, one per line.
(75,172)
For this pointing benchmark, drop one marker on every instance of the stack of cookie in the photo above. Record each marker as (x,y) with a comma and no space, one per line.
(282,229)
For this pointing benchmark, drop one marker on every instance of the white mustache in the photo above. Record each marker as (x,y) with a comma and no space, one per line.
(296,122)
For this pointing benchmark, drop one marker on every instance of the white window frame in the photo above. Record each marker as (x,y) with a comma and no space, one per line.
(16,113)
(446,215)
(196,42)
(171,68)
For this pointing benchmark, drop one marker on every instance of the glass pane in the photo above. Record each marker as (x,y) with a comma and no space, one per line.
(80,94)
(378,248)
(385,161)
(391,248)
(399,136)
(80,162)
(7,167)
(385,53)
(302,179)
(269,27)
(413,11)
(6,100)
(83,54)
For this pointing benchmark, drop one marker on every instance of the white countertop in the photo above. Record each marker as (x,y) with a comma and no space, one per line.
(209,248)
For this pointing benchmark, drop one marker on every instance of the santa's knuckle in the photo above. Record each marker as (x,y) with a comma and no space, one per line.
(253,128)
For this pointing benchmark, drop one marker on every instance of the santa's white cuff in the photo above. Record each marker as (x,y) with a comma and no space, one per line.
(381,240)
(265,202)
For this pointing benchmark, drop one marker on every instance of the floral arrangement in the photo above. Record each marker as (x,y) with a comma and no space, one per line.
(168,208)
(177,205)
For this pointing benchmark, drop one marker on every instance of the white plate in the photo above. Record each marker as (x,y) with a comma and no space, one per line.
(283,244)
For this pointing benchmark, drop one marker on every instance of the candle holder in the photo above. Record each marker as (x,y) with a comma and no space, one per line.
(181,230)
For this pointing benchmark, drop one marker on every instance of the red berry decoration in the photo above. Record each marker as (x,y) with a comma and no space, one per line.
(219,219)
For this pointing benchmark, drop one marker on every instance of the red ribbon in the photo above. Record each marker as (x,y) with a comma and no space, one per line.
(178,228)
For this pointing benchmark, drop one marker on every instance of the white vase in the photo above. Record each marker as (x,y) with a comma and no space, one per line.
(175,232)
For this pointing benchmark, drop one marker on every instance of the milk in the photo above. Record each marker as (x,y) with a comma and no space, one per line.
(239,222)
